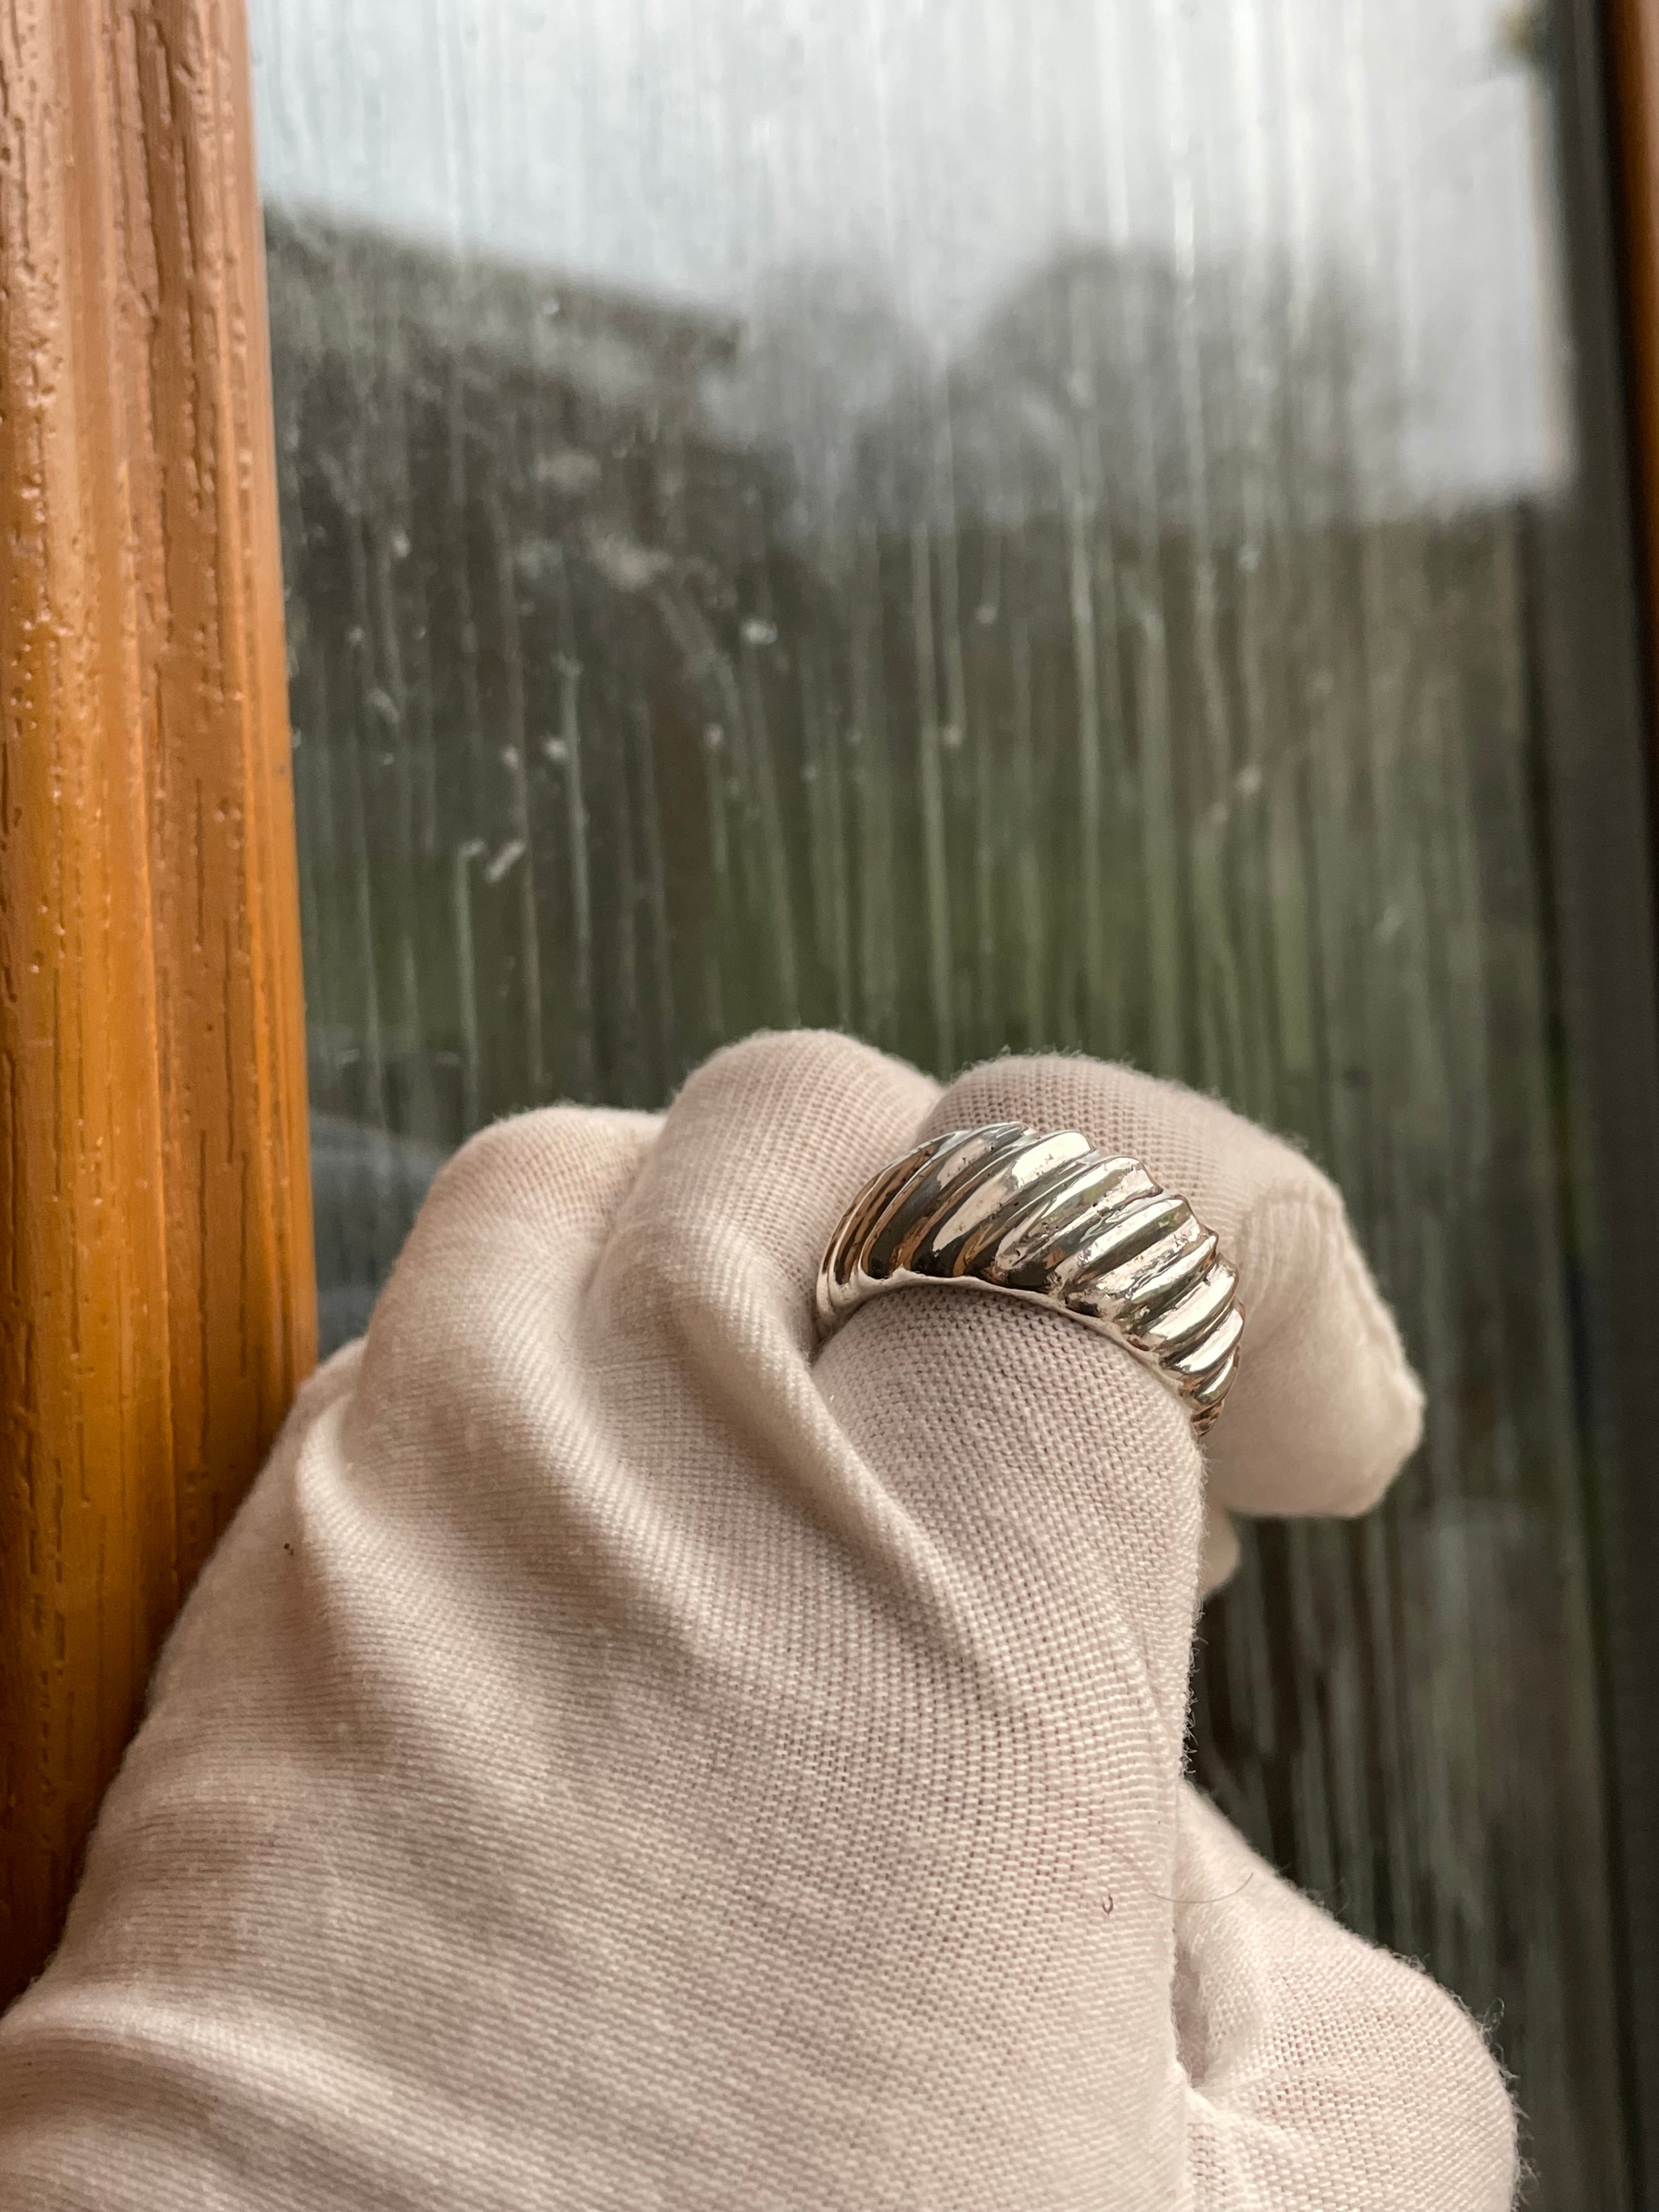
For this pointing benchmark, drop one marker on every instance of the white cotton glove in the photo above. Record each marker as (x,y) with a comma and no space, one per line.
(623,1757)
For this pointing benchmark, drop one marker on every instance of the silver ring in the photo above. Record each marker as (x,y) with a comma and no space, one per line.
(1048,1219)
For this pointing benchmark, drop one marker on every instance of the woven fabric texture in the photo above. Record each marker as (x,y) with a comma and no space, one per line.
(621,1757)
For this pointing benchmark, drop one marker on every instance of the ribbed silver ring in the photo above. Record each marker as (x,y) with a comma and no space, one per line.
(1048,1219)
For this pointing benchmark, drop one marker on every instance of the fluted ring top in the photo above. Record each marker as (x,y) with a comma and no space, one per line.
(1047,1219)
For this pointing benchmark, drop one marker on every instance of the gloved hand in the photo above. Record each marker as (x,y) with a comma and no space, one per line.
(621,1756)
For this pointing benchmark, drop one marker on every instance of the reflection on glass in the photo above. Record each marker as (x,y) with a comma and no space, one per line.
(991,526)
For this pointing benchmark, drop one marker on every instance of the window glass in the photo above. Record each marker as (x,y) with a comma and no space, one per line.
(995,526)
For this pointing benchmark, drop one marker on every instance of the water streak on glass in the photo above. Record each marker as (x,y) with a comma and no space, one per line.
(992,526)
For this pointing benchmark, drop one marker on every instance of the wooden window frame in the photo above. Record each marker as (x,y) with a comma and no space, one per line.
(157,1302)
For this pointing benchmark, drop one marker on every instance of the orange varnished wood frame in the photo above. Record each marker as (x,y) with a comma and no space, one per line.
(157,1305)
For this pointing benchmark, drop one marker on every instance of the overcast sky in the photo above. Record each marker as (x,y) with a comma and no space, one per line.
(692,147)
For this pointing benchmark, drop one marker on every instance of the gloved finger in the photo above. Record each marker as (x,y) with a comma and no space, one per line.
(1325,1406)
(700,1229)
(523,1209)
(1323,2071)
(1053,1497)
(761,1151)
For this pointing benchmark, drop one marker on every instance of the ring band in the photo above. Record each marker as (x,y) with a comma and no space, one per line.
(1048,1219)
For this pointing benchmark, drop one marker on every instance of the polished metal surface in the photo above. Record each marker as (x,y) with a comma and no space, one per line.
(1048,1219)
